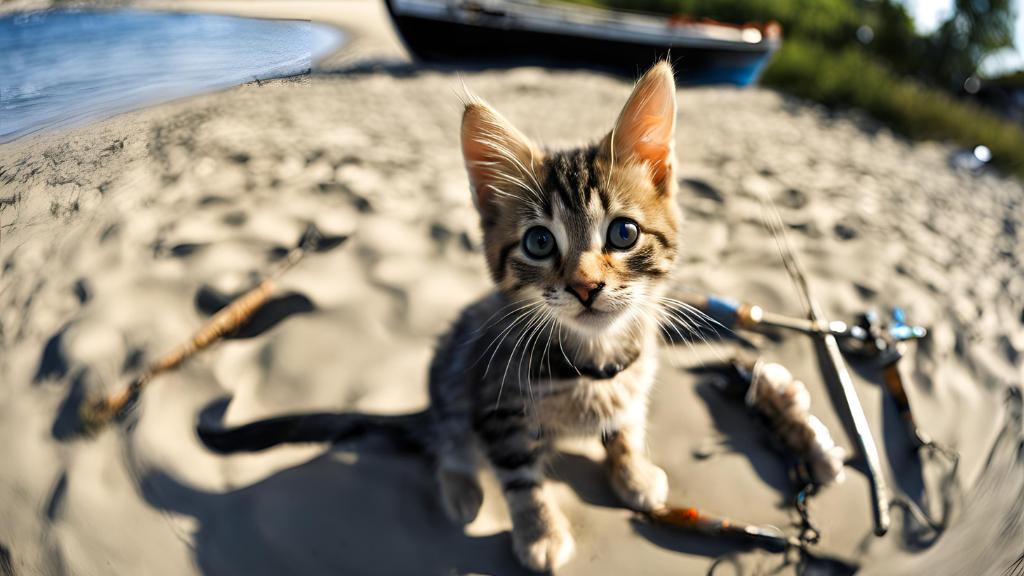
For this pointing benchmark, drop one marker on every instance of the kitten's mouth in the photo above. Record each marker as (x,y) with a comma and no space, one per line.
(593,318)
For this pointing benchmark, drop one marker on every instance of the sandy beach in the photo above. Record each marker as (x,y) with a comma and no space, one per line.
(119,238)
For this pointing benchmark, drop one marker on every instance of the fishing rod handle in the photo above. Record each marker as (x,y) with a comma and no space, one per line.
(866,441)
(732,313)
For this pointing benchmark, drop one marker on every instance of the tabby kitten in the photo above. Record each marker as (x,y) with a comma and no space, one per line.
(579,243)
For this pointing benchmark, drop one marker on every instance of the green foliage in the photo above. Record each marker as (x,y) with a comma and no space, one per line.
(946,58)
(852,78)
(978,28)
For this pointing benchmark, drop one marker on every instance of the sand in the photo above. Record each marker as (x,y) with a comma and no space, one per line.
(118,238)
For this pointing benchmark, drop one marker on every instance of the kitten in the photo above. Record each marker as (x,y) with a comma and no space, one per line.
(579,244)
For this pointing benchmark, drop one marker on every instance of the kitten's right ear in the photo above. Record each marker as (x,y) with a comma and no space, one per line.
(645,130)
(500,160)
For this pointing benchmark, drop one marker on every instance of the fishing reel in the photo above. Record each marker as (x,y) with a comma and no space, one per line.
(870,337)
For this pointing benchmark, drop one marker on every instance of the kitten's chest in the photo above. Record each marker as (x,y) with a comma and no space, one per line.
(589,406)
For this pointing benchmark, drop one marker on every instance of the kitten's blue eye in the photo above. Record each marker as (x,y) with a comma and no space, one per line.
(623,234)
(538,243)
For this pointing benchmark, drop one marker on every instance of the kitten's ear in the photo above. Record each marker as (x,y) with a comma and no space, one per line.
(499,158)
(645,130)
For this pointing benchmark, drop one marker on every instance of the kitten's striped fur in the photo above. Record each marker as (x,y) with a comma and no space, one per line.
(492,385)
(565,344)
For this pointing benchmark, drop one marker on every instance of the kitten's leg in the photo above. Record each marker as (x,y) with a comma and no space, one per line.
(457,467)
(540,532)
(635,479)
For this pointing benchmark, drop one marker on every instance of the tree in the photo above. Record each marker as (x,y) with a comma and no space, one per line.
(976,29)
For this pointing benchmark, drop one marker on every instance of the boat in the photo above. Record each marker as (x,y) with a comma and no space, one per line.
(517,32)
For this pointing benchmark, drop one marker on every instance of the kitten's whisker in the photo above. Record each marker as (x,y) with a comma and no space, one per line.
(503,335)
(635,329)
(548,316)
(698,320)
(686,322)
(526,303)
(528,333)
(701,325)
(538,330)
(547,345)
(563,351)
(501,387)
(698,313)
(661,318)
(680,314)
(691,322)
(696,316)
(663,310)
(691,328)
(487,323)
(521,313)
(526,329)
(656,326)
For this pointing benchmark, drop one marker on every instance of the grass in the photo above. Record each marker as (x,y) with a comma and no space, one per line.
(850,78)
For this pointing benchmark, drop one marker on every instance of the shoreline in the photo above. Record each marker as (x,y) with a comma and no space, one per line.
(339,45)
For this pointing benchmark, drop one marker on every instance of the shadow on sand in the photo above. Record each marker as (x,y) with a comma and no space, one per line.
(340,513)
(367,507)
(367,511)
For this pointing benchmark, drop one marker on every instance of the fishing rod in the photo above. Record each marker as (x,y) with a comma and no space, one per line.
(831,357)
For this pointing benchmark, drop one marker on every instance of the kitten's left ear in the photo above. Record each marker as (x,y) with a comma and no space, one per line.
(500,160)
(645,130)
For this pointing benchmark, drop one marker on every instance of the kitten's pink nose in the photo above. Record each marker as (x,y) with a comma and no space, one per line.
(585,291)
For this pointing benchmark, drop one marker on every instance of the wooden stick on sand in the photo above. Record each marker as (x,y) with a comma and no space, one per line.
(96,414)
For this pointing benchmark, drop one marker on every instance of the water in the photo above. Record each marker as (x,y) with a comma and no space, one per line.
(64,67)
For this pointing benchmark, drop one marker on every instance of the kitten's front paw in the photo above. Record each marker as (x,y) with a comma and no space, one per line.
(544,549)
(640,485)
(461,495)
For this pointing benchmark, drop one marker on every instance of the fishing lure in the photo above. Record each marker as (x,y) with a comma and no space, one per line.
(694,520)
(785,404)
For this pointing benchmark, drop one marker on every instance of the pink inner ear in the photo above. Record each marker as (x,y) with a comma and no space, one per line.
(495,153)
(646,129)
(478,128)
(475,155)
(654,147)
